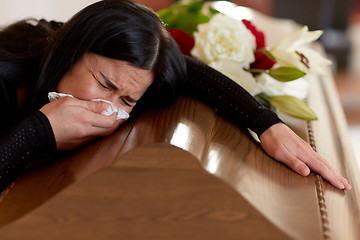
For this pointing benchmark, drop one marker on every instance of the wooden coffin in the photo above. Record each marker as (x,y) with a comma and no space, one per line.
(186,173)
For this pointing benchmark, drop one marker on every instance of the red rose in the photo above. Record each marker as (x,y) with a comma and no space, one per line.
(184,41)
(260,37)
(262,61)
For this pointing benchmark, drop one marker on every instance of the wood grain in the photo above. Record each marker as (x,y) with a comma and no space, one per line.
(136,185)
(332,141)
(286,200)
(172,199)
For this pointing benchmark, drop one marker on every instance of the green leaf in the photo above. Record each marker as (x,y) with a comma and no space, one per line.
(165,14)
(195,6)
(189,22)
(213,11)
(293,106)
(185,16)
(267,53)
(286,74)
(264,99)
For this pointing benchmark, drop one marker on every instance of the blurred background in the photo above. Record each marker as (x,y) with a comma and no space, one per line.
(340,19)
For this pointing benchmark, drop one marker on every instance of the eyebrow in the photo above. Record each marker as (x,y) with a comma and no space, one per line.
(110,84)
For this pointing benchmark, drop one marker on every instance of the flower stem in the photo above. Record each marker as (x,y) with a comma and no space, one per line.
(254,70)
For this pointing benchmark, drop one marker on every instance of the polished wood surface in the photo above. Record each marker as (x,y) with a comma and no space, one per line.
(165,195)
(331,138)
(218,183)
(289,205)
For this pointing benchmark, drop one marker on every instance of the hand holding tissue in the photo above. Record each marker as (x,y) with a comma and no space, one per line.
(121,114)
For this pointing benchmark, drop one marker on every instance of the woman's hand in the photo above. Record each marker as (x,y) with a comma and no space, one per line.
(281,143)
(75,122)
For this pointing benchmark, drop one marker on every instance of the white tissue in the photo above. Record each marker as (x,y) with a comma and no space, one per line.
(121,114)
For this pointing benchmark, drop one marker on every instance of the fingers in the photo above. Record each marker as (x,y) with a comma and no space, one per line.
(102,125)
(322,167)
(346,184)
(285,146)
(318,165)
(96,106)
(75,122)
(294,163)
(93,106)
(92,115)
(98,120)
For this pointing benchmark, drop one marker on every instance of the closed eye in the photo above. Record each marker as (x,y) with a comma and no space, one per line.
(99,82)
(129,101)
(108,85)
(126,103)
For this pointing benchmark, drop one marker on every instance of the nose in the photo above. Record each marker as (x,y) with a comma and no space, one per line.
(111,109)
(116,101)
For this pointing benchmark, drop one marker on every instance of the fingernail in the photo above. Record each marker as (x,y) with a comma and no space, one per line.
(305,171)
(341,186)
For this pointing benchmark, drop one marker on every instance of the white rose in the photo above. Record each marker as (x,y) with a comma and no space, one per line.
(224,38)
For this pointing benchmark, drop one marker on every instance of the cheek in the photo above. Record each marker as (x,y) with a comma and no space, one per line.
(88,92)
(80,88)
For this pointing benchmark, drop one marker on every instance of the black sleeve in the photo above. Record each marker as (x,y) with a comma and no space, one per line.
(227,97)
(30,138)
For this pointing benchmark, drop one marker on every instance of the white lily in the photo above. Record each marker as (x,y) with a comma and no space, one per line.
(233,70)
(298,88)
(288,49)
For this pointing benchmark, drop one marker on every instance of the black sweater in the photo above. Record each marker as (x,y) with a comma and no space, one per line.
(32,136)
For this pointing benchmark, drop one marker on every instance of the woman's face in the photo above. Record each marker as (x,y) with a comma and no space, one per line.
(95,76)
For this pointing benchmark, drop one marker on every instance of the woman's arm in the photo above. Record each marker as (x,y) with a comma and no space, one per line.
(227,97)
(280,142)
(63,124)
(28,139)
(20,140)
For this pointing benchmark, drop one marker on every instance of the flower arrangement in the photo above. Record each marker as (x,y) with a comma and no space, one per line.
(238,50)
